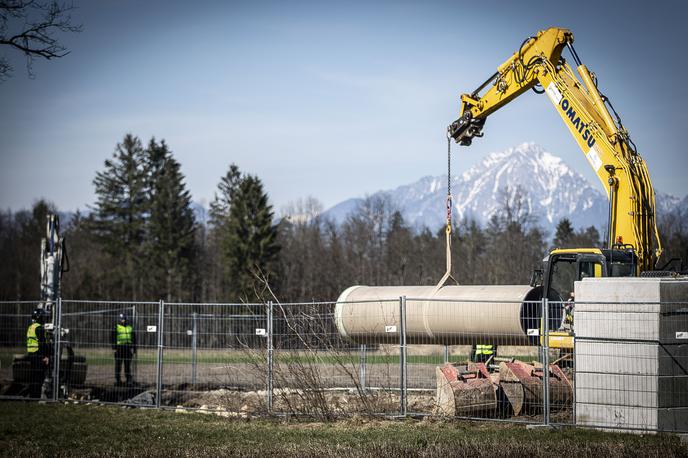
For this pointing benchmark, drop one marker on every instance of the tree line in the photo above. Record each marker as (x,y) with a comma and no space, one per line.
(142,240)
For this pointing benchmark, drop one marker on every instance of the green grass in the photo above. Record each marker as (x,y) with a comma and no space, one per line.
(30,429)
(104,356)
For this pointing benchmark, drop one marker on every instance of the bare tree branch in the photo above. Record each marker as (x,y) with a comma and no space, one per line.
(30,26)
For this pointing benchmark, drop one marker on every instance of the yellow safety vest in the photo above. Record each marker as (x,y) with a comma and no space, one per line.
(484,349)
(32,338)
(124,334)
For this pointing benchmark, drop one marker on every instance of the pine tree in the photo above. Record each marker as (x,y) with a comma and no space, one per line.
(170,243)
(120,215)
(219,207)
(250,244)
(566,237)
(215,280)
(564,234)
(588,238)
(87,280)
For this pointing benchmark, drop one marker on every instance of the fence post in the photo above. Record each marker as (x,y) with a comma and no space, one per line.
(362,367)
(57,337)
(446,354)
(135,359)
(545,362)
(194,348)
(402,356)
(161,322)
(573,376)
(270,360)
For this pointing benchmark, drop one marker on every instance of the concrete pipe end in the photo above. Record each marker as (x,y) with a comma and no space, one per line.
(339,307)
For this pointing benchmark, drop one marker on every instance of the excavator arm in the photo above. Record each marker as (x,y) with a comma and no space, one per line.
(602,138)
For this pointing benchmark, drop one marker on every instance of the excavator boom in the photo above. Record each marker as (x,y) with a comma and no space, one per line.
(538,63)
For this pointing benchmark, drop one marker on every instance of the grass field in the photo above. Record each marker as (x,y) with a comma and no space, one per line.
(104,356)
(30,429)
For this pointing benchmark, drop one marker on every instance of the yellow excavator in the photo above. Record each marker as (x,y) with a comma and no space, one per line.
(633,244)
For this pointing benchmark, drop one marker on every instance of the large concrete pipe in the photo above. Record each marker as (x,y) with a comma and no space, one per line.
(452,315)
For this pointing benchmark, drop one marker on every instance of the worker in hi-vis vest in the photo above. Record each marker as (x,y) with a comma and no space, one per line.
(124,344)
(483,352)
(38,350)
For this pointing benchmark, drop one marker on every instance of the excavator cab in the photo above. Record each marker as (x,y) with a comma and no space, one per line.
(563,267)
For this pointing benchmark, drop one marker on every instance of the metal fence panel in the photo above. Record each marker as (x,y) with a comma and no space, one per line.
(214,356)
(632,365)
(629,364)
(448,375)
(316,371)
(88,337)
(15,318)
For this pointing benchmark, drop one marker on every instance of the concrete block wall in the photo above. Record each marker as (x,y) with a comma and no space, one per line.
(631,353)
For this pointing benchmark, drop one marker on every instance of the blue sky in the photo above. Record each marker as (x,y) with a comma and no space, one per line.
(325,99)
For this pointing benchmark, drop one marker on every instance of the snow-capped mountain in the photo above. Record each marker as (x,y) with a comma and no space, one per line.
(551,191)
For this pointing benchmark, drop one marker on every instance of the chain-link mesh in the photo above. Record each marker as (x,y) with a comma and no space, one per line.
(99,367)
(15,318)
(392,356)
(214,356)
(632,365)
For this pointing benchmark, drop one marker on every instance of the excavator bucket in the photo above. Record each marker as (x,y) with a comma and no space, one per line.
(470,390)
(522,384)
(465,390)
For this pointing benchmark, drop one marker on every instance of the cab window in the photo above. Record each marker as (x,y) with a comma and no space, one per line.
(590,269)
(563,276)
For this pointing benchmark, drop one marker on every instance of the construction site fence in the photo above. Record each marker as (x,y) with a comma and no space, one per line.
(240,360)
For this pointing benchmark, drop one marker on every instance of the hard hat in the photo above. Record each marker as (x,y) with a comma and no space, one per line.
(122,317)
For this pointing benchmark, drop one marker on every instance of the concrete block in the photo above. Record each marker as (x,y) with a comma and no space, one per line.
(616,325)
(624,290)
(622,390)
(673,419)
(670,325)
(618,290)
(673,290)
(631,354)
(603,306)
(632,390)
(625,417)
(673,323)
(632,308)
(616,416)
(673,392)
(631,358)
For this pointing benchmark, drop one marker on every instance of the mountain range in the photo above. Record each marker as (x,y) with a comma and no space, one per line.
(551,190)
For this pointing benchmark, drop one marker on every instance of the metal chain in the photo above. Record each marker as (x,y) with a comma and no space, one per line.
(449,196)
(448,165)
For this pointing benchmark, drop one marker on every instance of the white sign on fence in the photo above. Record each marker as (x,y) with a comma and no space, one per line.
(390,328)
(682,335)
(534,332)
(260,332)
(152,328)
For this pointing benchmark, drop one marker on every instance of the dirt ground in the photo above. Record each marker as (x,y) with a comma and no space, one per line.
(326,389)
